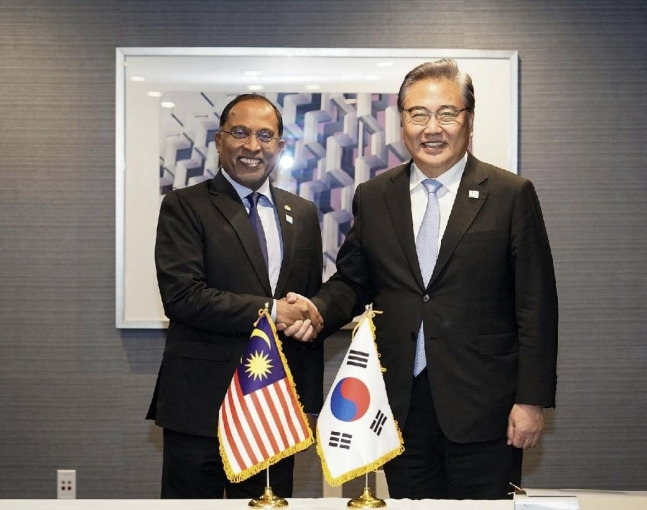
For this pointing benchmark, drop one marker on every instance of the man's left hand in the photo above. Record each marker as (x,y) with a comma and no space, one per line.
(525,426)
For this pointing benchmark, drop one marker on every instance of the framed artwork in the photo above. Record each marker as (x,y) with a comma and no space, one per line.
(341,127)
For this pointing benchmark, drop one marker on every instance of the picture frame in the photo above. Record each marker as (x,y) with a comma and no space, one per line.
(167,108)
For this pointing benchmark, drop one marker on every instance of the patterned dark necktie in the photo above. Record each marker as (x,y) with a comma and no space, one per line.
(252,200)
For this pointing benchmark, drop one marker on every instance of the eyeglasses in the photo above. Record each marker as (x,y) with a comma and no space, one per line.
(263,136)
(420,116)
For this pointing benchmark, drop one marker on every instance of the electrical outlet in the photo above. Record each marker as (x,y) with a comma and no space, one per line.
(66,484)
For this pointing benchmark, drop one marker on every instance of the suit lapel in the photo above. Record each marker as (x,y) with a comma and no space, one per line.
(225,198)
(398,203)
(466,206)
(287,221)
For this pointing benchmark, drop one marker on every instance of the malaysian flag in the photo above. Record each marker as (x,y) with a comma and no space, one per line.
(261,420)
(356,432)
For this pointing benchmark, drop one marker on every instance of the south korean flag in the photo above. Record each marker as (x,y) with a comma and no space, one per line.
(356,432)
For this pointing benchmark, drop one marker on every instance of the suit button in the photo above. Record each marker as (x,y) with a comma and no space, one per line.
(426,298)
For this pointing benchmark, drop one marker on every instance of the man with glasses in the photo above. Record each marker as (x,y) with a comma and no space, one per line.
(225,249)
(454,252)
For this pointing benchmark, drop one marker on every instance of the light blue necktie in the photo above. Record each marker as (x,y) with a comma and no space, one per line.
(252,200)
(427,249)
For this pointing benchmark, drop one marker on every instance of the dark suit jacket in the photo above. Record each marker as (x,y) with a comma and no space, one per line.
(213,281)
(489,311)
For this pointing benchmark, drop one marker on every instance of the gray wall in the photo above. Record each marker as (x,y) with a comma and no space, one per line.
(73,389)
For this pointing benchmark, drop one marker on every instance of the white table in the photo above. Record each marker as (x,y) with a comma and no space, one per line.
(241,504)
(587,500)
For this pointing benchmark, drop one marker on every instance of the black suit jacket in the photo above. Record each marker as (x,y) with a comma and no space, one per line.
(213,281)
(489,311)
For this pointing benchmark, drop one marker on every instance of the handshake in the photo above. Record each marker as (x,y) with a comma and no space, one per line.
(298,317)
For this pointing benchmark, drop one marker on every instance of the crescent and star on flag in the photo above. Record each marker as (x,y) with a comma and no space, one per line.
(258,365)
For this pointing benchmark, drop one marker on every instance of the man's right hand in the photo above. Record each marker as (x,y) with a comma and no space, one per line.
(298,317)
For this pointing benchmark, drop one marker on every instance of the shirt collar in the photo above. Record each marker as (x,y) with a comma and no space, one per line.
(450,179)
(243,191)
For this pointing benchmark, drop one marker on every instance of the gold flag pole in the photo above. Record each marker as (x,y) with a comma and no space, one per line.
(268,499)
(366,500)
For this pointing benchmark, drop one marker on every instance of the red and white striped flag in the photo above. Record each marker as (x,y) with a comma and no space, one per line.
(261,420)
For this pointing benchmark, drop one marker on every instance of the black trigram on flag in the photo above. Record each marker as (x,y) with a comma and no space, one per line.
(357,358)
(378,422)
(339,440)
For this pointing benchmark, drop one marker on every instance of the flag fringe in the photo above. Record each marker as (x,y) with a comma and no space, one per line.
(367,468)
(257,468)
(303,445)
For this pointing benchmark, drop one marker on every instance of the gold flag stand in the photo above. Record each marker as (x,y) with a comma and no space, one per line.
(268,499)
(366,500)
